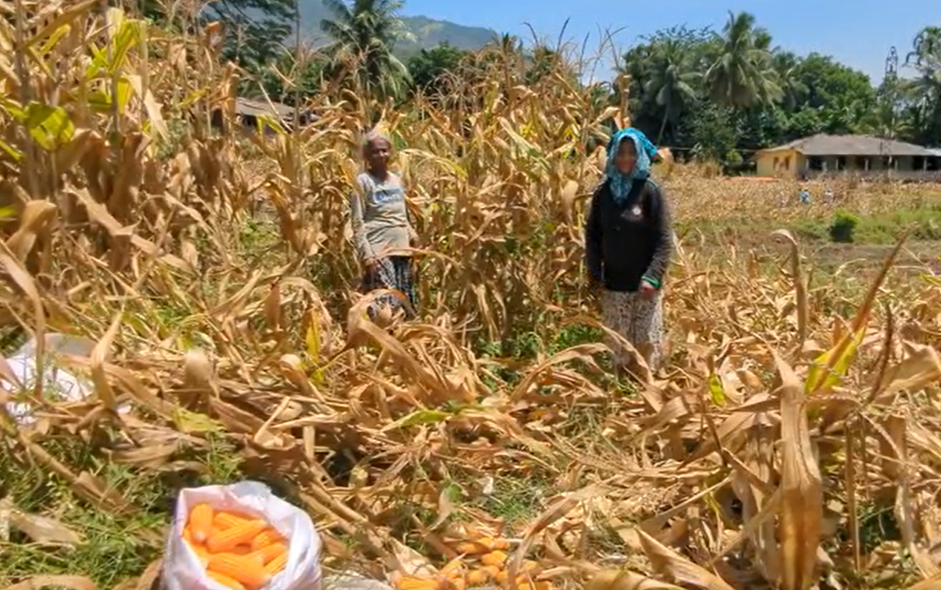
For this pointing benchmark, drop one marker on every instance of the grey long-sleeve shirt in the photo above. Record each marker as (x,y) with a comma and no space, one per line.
(379,217)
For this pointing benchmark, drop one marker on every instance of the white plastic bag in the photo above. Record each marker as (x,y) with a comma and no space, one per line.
(58,383)
(182,570)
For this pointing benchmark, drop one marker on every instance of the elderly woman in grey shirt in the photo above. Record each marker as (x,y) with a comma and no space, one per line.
(382,231)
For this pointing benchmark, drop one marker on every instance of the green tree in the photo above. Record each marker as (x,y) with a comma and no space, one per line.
(844,97)
(255,30)
(364,34)
(430,68)
(672,79)
(715,132)
(287,79)
(922,97)
(663,85)
(787,67)
(741,74)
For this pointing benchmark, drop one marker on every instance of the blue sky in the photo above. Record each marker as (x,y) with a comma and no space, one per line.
(857,32)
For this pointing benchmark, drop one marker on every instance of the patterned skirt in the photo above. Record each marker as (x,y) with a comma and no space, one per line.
(637,320)
(396,274)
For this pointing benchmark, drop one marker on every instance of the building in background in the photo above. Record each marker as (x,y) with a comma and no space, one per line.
(859,155)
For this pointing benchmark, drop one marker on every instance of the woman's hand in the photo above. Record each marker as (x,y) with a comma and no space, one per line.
(647,291)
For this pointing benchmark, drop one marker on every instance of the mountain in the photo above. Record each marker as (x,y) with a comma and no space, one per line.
(426,32)
(429,33)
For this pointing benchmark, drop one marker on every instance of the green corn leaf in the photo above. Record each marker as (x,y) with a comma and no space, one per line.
(716,391)
(818,379)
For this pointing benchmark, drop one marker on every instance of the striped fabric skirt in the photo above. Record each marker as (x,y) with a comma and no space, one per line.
(396,274)
(637,320)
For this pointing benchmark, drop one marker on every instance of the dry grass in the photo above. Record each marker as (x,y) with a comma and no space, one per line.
(792,443)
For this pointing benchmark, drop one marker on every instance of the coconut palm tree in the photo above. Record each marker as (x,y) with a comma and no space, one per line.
(787,66)
(741,73)
(672,79)
(925,90)
(927,44)
(364,33)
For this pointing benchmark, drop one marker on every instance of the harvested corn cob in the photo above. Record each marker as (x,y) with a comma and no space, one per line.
(227,520)
(267,537)
(200,522)
(478,577)
(247,572)
(276,565)
(415,583)
(494,558)
(269,553)
(238,551)
(228,539)
(226,581)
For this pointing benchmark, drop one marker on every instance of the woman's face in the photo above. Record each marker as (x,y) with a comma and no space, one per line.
(626,158)
(378,152)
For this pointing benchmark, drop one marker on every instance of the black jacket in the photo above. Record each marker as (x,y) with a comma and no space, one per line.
(627,243)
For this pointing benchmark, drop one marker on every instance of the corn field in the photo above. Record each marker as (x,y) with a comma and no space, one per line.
(212,273)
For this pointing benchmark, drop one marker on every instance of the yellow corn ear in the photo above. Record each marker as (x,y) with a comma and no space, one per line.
(470,548)
(452,567)
(246,571)
(229,539)
(201,552)
(270,552)
(477,577)
(501,544)
(269,536)
(225,581)
(277,564)
(227,520)
(200,522)
(494,558)
(414,583)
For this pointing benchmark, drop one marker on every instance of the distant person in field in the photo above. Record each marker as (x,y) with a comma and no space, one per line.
(804,196)
(629,245)
(382,231)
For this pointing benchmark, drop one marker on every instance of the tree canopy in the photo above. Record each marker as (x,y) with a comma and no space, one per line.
(714,94)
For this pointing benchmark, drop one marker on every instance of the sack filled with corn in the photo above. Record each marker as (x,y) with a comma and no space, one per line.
(240,537)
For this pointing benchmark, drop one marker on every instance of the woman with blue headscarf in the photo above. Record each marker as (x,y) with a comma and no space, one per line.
(629,245)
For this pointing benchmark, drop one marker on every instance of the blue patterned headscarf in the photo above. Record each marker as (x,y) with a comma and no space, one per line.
(620,184)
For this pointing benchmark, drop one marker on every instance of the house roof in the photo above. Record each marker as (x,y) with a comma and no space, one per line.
(255,108)
(851,145)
